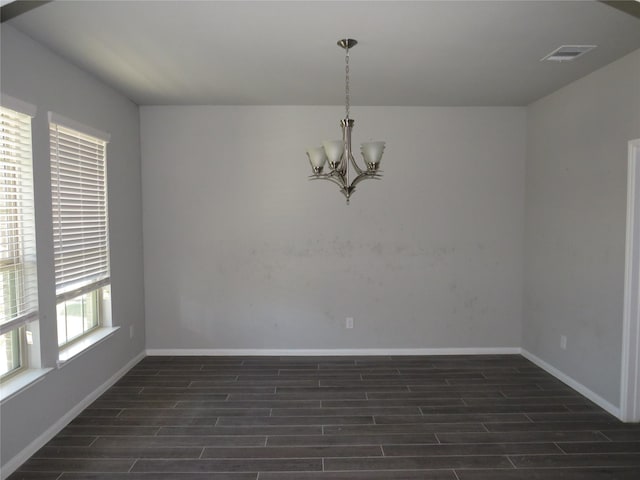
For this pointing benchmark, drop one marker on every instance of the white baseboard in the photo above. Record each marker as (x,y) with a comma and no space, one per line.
(13,464)
(580,388)
(323,352)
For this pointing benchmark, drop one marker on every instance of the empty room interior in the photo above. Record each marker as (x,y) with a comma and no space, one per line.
(182,299)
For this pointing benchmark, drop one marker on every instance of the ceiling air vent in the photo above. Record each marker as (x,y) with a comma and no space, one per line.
(566,53)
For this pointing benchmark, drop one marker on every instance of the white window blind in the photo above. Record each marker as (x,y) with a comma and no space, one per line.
(18,275)
(79,209)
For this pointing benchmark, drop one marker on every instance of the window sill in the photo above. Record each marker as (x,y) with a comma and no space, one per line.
(87,343)
(21,381)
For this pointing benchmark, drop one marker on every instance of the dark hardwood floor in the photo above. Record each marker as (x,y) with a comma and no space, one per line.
(495,417)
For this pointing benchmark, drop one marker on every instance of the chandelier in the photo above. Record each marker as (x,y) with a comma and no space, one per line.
(338,153)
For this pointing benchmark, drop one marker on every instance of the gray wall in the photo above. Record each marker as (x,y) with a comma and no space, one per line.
(241,251)
(575,223)
(35,75)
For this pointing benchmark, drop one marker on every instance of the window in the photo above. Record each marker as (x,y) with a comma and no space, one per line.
(18,276)
(80,229)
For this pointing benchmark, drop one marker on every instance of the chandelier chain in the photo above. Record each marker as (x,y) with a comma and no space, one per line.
(347,92)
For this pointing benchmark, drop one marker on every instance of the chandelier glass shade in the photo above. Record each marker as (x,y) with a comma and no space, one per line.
(338,153)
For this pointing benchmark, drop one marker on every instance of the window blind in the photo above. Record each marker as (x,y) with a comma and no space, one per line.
(18,275)
(79,209)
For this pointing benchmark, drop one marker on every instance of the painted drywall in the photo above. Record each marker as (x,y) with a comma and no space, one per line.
(243,252)
(33,74)
(575,223)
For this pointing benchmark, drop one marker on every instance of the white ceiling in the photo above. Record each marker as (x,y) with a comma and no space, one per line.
(285,53)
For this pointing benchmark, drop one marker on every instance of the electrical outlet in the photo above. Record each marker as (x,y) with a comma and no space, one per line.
(349,322)
(563,342)
(130,331)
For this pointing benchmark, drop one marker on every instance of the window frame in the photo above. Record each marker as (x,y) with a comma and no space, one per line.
(99,309)
(23,358)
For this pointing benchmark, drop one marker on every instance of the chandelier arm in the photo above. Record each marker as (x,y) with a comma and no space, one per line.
(343,170)
(365,176)
(339,177)
(358,170)
(332,178)
(347,155)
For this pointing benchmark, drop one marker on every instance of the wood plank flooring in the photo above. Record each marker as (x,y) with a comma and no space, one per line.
(496,417)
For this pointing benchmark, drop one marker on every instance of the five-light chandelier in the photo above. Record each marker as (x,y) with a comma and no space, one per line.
(338,154)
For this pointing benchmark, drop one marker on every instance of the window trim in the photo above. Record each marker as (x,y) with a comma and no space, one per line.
(71,351)
(78,126)
(18,105)
(18,383)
